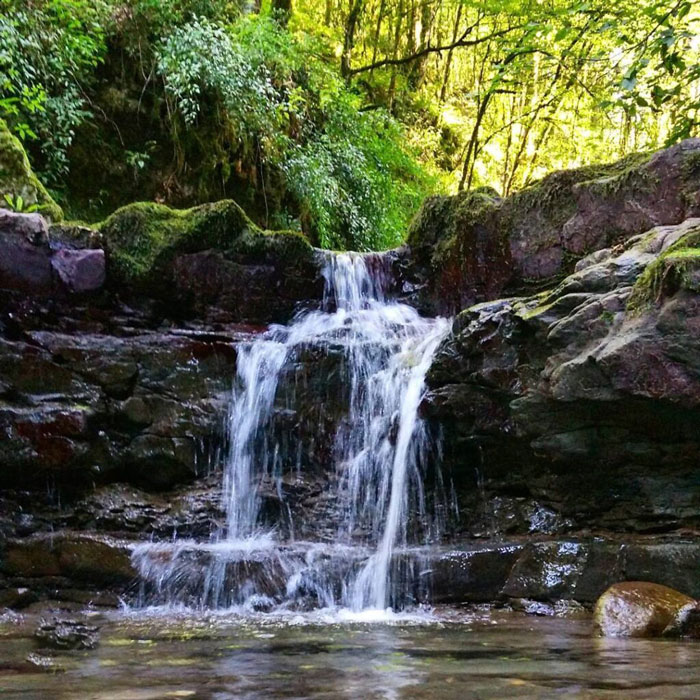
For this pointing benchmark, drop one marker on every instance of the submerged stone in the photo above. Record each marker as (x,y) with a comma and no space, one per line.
(67,634)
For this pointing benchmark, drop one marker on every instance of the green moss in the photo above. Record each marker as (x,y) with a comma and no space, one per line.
(18,181)
(607,180)
(674,269)
(142,238)
(690,166)
(538,310)
(552,196)
(442,219)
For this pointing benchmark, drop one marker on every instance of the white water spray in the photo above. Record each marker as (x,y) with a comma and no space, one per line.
(381,447)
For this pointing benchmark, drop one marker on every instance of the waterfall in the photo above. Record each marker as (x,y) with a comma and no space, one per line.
(379,457)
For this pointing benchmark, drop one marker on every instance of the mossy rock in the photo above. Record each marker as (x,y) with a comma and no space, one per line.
(675,269)
(18,182)
(441,218)
(143,238)
(477,246)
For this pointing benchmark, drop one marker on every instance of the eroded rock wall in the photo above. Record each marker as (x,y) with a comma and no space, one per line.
(578,408)
(476,246)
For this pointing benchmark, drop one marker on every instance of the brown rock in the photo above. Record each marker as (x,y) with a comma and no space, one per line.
(24,253)
(643,609)
(72,555)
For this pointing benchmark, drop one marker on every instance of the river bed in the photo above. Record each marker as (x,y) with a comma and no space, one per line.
(445,654)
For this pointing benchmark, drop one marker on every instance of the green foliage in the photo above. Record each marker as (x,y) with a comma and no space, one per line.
(188,101)
(48,52)
(20,188)
(353,184)
(17,203)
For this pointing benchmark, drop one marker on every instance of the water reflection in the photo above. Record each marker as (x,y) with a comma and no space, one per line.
(487,655)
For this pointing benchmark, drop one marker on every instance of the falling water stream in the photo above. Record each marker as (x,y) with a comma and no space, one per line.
(379,458)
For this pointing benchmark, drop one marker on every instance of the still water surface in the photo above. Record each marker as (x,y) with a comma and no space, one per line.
(487,655)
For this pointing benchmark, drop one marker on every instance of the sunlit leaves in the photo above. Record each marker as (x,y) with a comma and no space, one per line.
(354,185)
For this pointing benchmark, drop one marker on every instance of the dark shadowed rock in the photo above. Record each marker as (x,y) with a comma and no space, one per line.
(546,576)
(584,399)
(92,406)
(472,576)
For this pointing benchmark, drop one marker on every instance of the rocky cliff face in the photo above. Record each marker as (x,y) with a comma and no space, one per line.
(577,408)
(476,247)
(568,391)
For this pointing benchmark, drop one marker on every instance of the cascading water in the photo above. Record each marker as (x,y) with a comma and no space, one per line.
(379,459)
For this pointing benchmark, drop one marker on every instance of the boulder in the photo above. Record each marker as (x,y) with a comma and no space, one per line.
(211,261)
(475,246)
(80,270)
(642,609)
(25,257)
(584,399)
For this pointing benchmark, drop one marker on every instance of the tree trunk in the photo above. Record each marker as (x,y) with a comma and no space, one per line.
(282,11)
(448,62)
(395,54)
(351,25)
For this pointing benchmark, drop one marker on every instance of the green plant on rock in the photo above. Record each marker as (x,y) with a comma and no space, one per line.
(17,203)
(142,238)
(676,268)
(19,186)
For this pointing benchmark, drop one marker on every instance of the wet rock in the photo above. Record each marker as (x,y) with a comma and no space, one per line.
(192,511)
(546,571)
(82,407)
(561,608)
(643,609)
(583,399)
(67,634)
(17,598)
(41,662)
(547,577)
(674,564)
(472,576)
(76,556)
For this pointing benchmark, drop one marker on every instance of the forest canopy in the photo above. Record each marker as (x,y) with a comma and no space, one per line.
(337,117)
